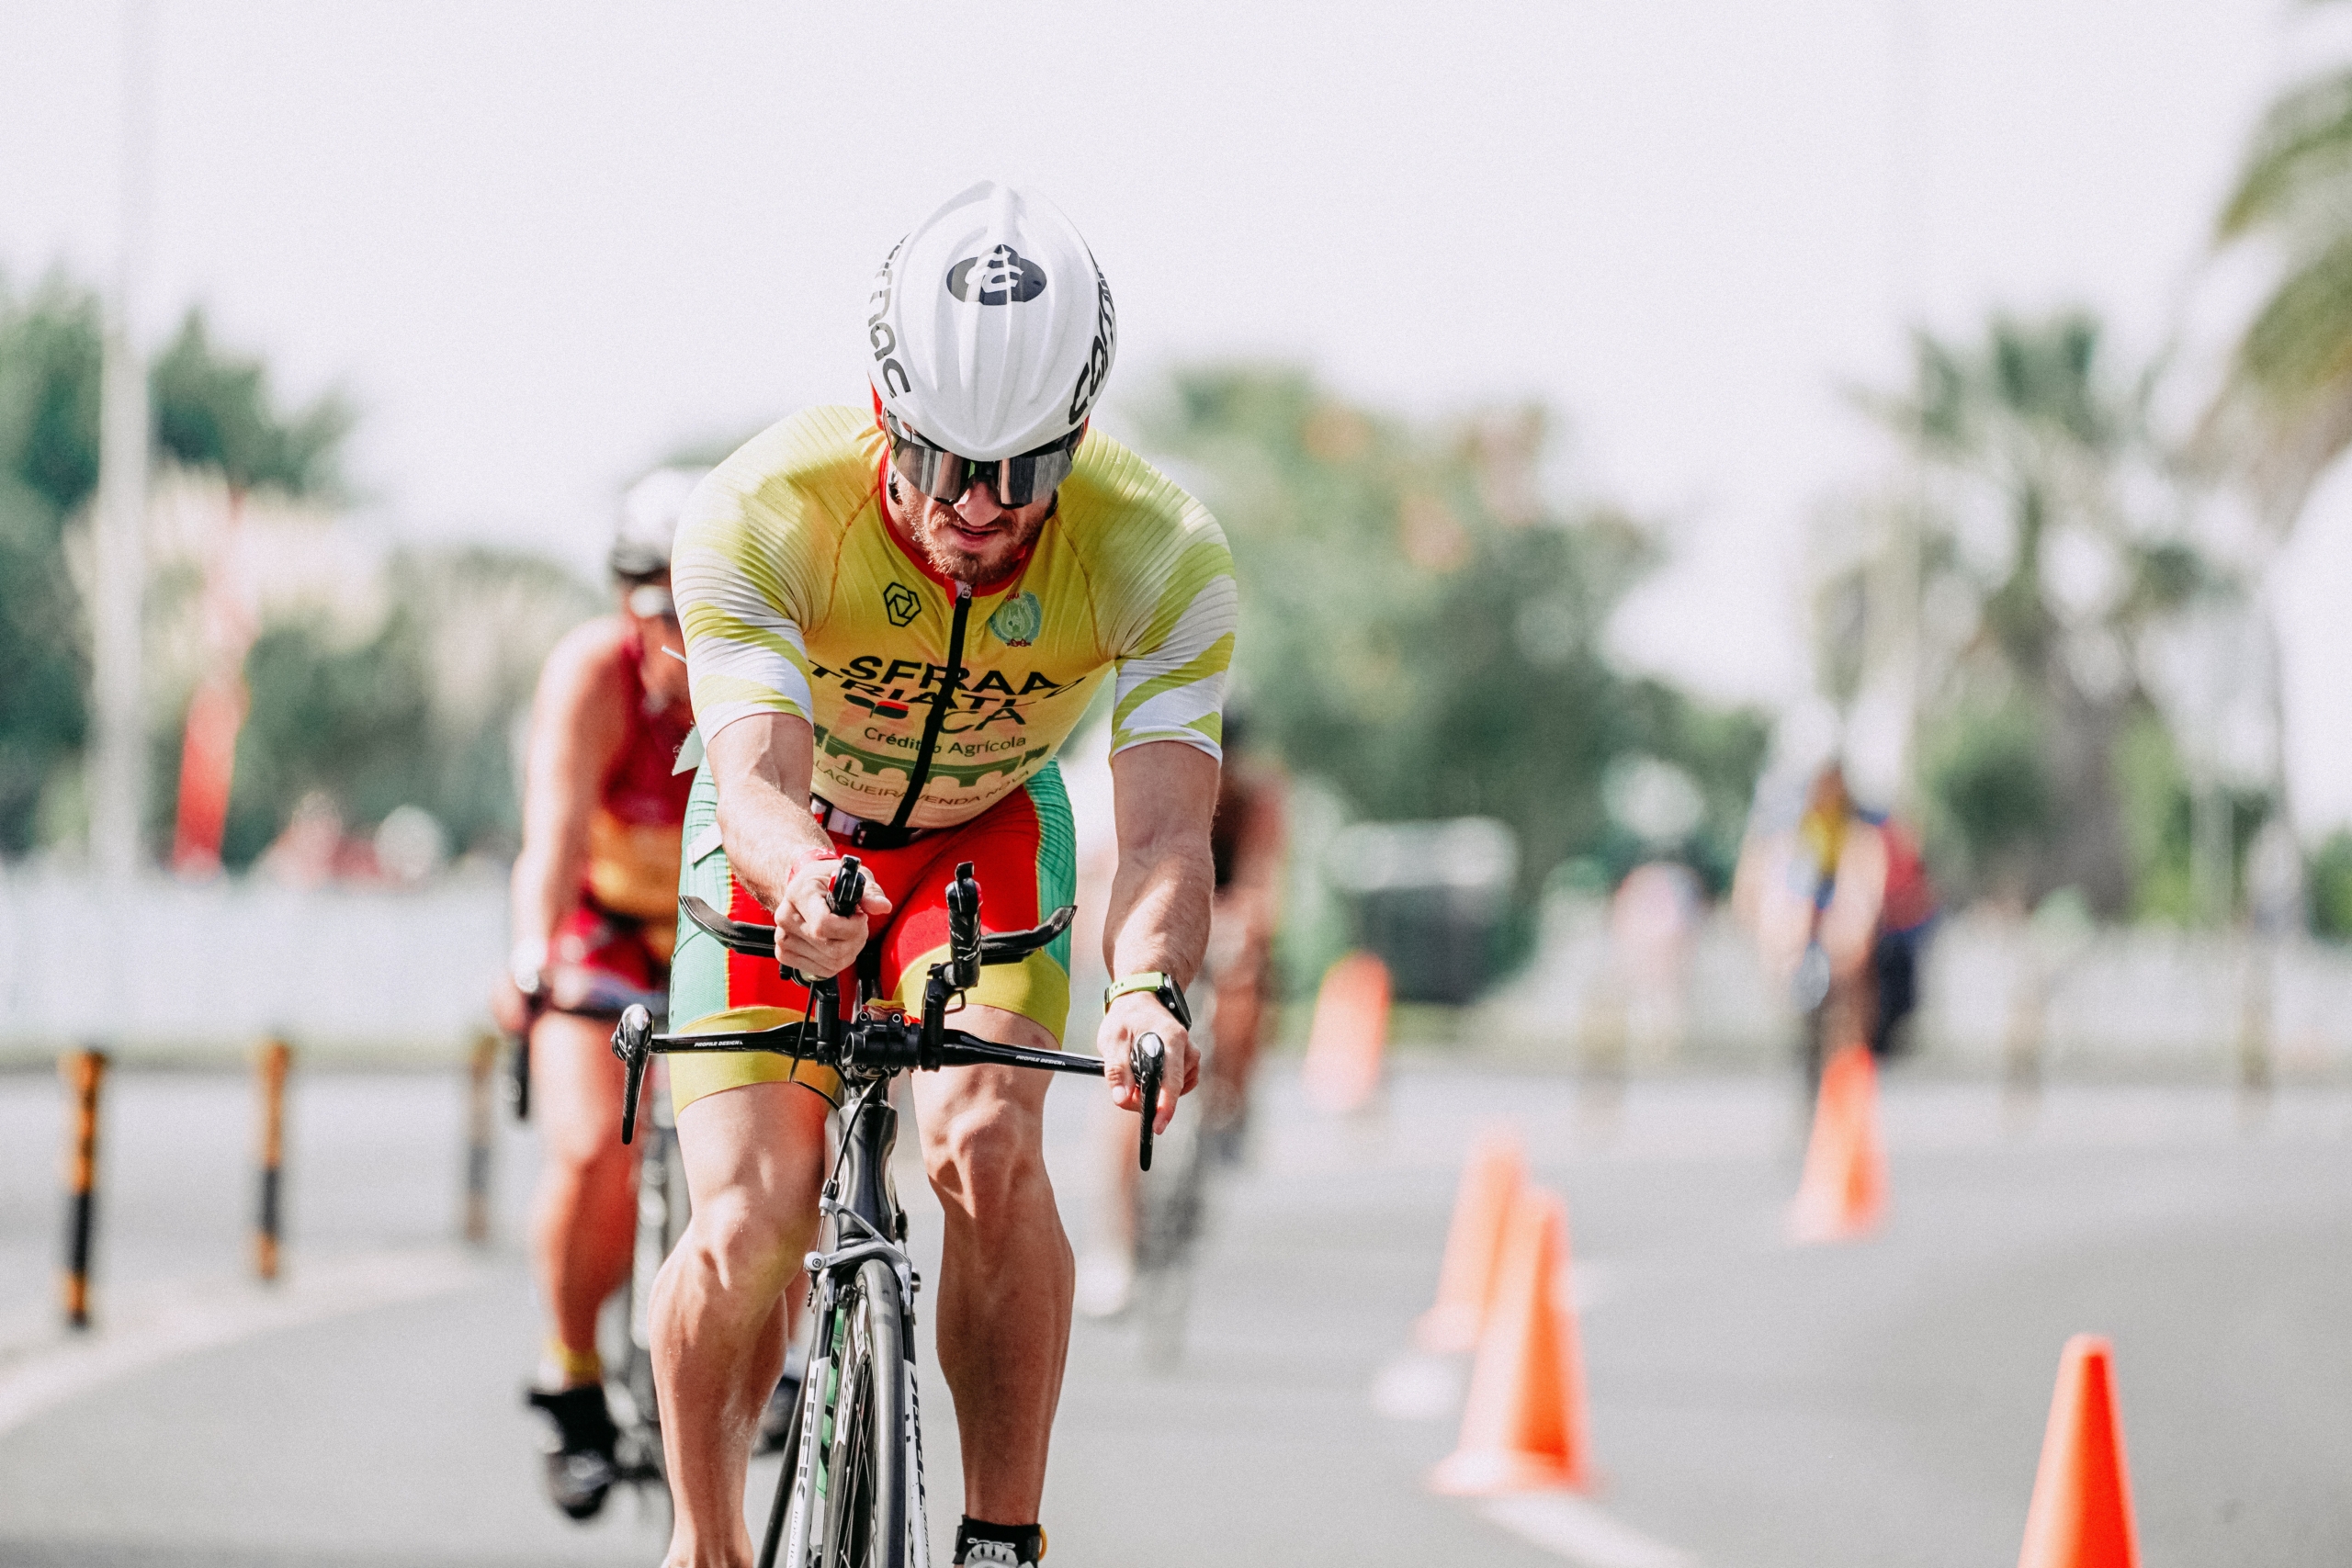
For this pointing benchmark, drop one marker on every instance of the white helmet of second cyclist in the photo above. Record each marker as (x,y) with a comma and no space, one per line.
(649,521)
(990,330)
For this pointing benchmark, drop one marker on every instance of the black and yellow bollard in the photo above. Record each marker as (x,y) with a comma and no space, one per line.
(275,1057)
(83,1071)
(482,1122)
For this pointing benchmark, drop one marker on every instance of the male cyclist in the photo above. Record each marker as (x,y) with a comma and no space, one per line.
(595,911)
(895,619)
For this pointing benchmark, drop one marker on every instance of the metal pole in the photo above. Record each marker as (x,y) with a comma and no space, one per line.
(118,759)
(275,1059)
(1909,79)
(481,1122)
(83,1071)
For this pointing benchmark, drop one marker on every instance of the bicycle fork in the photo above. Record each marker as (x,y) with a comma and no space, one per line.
(861,1201)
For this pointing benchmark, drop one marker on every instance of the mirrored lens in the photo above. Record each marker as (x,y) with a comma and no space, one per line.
(944,476)
(937,474)
(1024,478)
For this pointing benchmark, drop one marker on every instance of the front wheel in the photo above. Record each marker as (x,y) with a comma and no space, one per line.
(852,1491)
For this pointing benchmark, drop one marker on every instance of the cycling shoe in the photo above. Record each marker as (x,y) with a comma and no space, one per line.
(980,1545)
(581,1467)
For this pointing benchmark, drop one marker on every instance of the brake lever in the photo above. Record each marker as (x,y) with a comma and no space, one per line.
(843,897)
(849,888)
(633,1042)
(1148,1061)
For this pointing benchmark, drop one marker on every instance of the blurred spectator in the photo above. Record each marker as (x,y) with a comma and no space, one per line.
(310,851)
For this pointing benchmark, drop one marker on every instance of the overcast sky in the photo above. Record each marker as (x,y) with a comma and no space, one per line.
(540,244)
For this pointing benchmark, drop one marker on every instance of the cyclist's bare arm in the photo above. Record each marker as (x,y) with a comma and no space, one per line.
(761,764)
(579,723)
(1164,795)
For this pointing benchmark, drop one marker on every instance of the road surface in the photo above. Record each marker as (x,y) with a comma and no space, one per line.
(1752,1404)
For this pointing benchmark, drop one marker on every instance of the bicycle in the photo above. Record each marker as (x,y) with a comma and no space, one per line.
(851,1493)
(663,1210)
(624,1331)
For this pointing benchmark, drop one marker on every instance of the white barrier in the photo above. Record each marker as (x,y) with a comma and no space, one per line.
(2142,1002)
(166,967)
(204,969)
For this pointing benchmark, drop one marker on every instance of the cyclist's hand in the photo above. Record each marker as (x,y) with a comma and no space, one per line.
(808,936)
(1137,1013)
(509,1009)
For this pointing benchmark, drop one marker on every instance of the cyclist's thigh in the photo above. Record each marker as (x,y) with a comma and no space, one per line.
(992,1112)
(754,1154)
(576,1086)
(1021,853)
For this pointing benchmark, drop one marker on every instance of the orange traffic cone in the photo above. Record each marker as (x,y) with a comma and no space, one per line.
(1491,1180)
(1523,1427)
(2081,1516)
(1343,1045)
(1843,1193)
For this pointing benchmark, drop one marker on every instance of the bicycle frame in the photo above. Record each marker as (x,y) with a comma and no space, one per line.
(868,1047)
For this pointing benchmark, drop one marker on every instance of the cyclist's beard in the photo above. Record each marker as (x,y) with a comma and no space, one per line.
(955,554)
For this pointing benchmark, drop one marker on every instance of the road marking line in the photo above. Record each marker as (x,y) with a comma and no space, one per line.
(188,1316)
(1581,1532)
(1414,1387)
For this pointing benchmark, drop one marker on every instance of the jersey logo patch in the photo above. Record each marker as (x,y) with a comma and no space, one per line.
(1017,620)
(901,604)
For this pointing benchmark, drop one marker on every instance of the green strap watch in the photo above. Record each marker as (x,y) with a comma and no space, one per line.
(1170,995)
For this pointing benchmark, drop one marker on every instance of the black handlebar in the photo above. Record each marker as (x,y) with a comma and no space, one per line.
(884,1042)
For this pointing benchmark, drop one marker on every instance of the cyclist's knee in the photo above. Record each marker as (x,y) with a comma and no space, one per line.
(982,1151)
(586,1151)
(745,1243)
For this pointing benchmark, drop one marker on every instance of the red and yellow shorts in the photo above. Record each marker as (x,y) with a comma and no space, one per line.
(1024,854)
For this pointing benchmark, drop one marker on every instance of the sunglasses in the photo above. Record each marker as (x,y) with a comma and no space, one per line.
(945,476)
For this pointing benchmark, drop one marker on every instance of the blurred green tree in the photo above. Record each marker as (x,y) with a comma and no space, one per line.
(2055,559)
(2285,413)
(49,464)
(1422,629)
(418,708)
(2330,872)
(214,409)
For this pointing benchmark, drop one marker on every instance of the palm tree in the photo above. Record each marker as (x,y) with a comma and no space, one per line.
(2285,413)
(2054,543)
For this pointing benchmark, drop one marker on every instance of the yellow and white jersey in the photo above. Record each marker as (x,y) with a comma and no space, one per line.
(798,598)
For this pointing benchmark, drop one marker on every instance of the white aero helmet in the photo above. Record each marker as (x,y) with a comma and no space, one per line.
(990,330)
(648,523)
